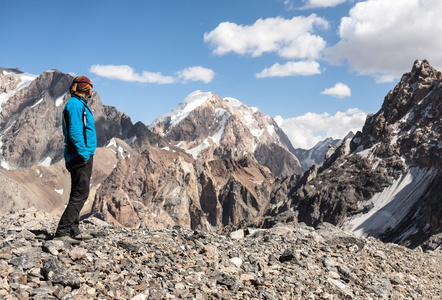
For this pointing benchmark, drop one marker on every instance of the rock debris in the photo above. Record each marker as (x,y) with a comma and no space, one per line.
(288,261)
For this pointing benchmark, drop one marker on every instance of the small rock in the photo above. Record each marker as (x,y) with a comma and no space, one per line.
(237,235)
(129,246)
(236,261)
(77,253)
(56,272)
(288,255)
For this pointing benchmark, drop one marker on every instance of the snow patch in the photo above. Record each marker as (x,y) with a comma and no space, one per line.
(250,120)
(166,149)
(257,132)
(182,145)
(37,103)
(5,165)
(224,116)
(408,117)
(112,143)
(391,205)
(232,102)
(131,140)
(121,150)
(259,182)
(191,102)
(197,150)
(60,99)
(271,130)
(45,162)
(367,153)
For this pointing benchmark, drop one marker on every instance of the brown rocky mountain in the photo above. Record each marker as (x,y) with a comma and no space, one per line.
(210,173)
(386,182)
(48,187)
(209,127)
(167,187)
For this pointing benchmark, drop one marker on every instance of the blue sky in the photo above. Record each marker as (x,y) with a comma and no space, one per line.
(316,66)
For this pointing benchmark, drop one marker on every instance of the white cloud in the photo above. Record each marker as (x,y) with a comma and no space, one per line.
(321,3)
(289,38)
(127,73)
(340,90)
(289,5)
(307,130)
(196,74)
(291,68)
(383,38)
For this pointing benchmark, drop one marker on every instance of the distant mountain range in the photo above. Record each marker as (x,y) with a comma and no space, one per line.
(215,164)
(317,154)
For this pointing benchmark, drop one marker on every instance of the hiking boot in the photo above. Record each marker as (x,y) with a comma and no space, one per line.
(83,237)
(67,239)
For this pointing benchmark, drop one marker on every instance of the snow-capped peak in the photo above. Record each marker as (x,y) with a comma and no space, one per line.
(232,102)
(191,102)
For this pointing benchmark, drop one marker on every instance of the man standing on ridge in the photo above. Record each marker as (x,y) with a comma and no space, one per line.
(80,141)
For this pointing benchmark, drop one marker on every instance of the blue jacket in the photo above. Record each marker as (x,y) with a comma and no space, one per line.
(79,133)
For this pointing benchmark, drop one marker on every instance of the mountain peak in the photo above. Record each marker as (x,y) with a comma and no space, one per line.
(191,102)
(422,68)
(207,126)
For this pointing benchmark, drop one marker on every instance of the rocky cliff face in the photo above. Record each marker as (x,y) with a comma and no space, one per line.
(167,187)
(208,127)
(386,181)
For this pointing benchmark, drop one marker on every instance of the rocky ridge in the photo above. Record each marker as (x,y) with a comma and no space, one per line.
(386,181)
(285,262)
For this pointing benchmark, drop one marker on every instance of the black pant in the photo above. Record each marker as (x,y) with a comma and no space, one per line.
(80,181)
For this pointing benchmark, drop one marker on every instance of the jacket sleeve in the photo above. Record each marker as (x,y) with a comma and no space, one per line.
(75,113)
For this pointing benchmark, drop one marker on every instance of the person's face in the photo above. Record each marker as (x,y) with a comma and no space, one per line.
(89,92)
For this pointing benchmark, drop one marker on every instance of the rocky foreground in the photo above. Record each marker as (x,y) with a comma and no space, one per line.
(285,262)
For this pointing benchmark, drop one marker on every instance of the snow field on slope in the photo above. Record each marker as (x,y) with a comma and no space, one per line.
(392,204)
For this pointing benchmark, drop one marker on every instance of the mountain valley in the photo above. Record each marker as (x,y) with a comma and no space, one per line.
(218,165)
